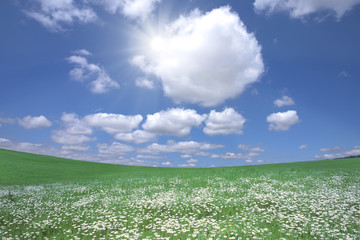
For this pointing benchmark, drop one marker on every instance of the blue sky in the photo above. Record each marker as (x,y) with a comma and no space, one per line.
(181,83)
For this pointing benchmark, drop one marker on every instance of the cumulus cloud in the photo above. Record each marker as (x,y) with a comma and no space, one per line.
(144,83)
(30,122)
(284,101)
(203,58)
(282,121)
(187,147)
(224,123)
(113,123)
(192,161)
(174,121)
(54,15)
(138,136)
(100,81)
(82,52)
(299,9)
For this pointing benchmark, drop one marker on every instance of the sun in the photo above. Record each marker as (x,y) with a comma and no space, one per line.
(157,43)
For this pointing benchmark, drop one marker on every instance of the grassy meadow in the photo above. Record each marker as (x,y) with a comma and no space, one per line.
(44,197)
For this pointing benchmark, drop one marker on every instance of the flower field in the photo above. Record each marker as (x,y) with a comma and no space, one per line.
(223,203)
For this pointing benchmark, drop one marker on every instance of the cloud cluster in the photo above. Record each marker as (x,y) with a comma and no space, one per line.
(186,147)
(100,81)
(174,121)
(138,136)
(57,15)
(203,58)
(335,153)
(284,101)
(282,121)
(53,15)
(224,123)
(30,122)
(144,83)
(299,9)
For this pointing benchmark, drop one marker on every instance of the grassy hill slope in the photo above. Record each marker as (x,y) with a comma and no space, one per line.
(26,168)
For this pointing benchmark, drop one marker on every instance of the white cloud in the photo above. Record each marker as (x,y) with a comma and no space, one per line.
(144,83)
(282,121)
(149,157)
(100,82)
(74,125)
(192,161)
(299,9)
(303,146)
(133,9)
(30,122)
(139,9)
(334,149)
(334,153)
(66,138)
(224,123)
(260,161)
(203,58)
(115,149)
(284,101)
(185,156)
(113,123)
(250,148)
(190,165)
(167,164)
(79,147)
(138,136)
(188,147)
(82,52)
(248,161)
(174,121)
(231,155)
(53,15)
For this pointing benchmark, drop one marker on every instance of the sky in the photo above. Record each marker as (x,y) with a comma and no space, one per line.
(181,83)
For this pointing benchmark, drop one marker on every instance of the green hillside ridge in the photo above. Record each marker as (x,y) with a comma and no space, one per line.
(25,168)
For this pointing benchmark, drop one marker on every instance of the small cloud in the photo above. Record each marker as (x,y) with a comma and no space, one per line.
(30,122)
(100,81)
(167,164)
(192,161)
(186,165)
(82,52)
(343,74)
(185,156)
(303,146)
(334,149)
(284,101)
(144,83)
(248,161)
(282,121)
(260,161)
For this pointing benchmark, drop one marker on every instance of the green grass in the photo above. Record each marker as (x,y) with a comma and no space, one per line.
(47,197)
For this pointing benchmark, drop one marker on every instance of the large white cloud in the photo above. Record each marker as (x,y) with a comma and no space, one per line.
(100,81)
(174,121)
(301,8)
(282,121)
(54,14)
(30,122)
(224,123)
(284,101)
(113,123)
(203,58)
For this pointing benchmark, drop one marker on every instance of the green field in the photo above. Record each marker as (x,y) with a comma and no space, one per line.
(46,197)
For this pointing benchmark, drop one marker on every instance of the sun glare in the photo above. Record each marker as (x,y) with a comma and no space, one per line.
(157,43)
